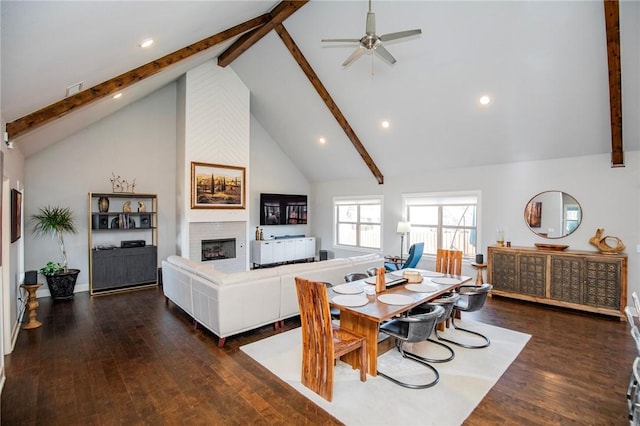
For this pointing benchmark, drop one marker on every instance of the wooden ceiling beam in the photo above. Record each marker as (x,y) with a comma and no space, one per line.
(65,106)
(328,100)
(282,11)
(612,21)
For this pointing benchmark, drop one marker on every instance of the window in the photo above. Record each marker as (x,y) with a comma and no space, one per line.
(358,222)
(443,220)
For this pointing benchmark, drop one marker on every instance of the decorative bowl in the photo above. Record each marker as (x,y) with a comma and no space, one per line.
(412,276)
(554,247)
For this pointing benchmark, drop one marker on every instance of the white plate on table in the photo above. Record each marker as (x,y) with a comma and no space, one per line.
(395,299)
(424,273)
(446,281)
(421,288)
(431,274)
(347,289)
(350,300)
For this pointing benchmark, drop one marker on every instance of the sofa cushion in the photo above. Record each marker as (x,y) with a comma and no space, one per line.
(186,264)
(363,258)
(297,268)
(223,278)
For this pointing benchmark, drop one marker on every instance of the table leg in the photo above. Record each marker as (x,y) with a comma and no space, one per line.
(367,328)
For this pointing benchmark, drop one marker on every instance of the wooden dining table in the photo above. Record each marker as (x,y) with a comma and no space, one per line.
(365,320)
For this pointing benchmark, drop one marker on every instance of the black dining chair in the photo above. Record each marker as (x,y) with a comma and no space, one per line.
(413,329)
(472,298)
(447,301)
(355,276)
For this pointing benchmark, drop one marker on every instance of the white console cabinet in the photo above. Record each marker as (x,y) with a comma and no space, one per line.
(267,252)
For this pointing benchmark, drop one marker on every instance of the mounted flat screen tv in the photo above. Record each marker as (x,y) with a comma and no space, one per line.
(283,209)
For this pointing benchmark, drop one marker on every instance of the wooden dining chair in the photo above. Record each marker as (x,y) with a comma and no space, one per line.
(449,261)
(322,341)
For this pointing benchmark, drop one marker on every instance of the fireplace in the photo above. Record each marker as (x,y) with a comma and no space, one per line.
(224,248)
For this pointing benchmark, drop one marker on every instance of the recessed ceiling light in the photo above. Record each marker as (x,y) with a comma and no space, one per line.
(385,124)
(146,42)
(484,100)
(322,140)
(72,90)
(117,96)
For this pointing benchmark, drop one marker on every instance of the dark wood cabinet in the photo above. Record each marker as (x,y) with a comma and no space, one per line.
(583,280)
(123,268)
(123,251)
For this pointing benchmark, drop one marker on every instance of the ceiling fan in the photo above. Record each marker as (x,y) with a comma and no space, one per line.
(372,42)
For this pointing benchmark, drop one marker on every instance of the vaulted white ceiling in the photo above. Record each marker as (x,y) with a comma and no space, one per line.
(544,65)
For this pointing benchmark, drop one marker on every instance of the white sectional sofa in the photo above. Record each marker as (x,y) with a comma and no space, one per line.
(231,303)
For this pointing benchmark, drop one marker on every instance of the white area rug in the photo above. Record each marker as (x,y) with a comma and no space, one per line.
(463,381)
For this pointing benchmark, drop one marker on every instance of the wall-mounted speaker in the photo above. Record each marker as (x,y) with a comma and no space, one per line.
(145,221)
(99,221)
(30,277)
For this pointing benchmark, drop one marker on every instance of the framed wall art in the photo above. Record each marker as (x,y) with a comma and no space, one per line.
(533,214)
(215,186)
(16,215)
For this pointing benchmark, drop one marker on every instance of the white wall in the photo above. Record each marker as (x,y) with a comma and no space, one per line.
(609,198)
(12,270)
(136,142)
(273,172)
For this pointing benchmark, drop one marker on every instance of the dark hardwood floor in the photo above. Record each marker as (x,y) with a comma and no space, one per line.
(127,359)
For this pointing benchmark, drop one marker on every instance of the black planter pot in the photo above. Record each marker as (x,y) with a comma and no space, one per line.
(61,285)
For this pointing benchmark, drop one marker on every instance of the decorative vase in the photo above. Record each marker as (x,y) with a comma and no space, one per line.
(103,204)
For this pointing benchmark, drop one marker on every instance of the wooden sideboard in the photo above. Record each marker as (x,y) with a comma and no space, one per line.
(583,280)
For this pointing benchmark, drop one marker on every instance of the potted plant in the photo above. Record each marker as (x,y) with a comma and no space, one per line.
(56,221)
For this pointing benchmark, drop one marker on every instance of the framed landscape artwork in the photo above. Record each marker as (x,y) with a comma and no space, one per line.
(16,215)
(215,186)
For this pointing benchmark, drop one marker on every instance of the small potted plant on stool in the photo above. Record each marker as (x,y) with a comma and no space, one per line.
(56,221)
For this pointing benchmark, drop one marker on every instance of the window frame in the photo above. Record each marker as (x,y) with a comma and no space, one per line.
(440,199)
(358,200)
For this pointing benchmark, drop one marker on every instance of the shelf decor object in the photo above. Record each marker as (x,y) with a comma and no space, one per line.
(120,185)
(103,204)
(601,243)
(215,186)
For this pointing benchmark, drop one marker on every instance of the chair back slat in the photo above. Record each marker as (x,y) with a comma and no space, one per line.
(317,337)
(449,261)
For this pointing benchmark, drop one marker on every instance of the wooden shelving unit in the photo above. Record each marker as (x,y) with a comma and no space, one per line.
(123,252)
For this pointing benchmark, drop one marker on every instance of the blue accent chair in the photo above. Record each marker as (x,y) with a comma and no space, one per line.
(415,254)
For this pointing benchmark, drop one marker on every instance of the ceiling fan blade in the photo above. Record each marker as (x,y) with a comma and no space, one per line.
(355,55)
(384,53)
(349,40)
(399,34)
(371,23)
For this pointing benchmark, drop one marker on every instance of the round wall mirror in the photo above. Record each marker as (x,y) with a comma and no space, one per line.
(553,214)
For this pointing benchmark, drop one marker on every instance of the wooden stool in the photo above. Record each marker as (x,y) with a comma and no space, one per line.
(32,305)
(479,267)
